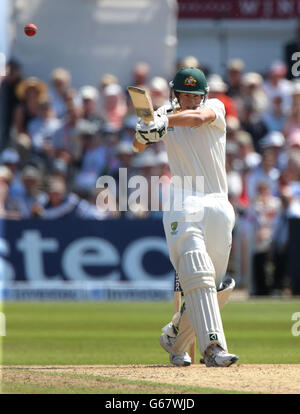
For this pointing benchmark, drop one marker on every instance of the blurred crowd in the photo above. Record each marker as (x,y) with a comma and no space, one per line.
(56,141)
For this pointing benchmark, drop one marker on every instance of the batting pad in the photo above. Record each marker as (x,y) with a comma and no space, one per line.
(197,278)
(195,270)
(185,331)
(204,315)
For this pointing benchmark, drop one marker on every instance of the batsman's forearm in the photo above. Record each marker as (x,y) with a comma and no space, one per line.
(188,118)
(191,117)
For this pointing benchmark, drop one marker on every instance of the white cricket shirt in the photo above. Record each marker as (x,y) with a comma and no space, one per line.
(200,151)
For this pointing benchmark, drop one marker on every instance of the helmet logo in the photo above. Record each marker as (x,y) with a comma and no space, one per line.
(190,81)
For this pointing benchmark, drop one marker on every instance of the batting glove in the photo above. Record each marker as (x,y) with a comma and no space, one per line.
(152,132)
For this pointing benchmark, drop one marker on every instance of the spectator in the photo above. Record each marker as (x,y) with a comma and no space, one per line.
(277,85)
(191,62)
(159,92)
(140,74)
(275,141)
(144,164)
(11,159)
(89,98)
(235,69)
(106,80)
(275,118)
(94,156)
(265,172)
(60,203)
(33,198)
(247,160)
(9,100)
(30,92)
(251,122)
(64,138)
(128,131)
(124,154)
(280,242)
(252,94)
(114,106)
(217,89)
(246,153)
(8,207)
(42,128)
(234,181)
(262,214)
(61,91)
(188,62)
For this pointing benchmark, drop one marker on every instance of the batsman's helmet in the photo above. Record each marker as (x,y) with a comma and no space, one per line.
(190,80)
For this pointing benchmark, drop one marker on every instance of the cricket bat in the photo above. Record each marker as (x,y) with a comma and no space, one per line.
(177,307)
(142,103)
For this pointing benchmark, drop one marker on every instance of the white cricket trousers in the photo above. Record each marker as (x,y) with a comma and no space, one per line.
(204,224)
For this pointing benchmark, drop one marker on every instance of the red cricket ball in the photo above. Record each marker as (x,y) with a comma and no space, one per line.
(30,29)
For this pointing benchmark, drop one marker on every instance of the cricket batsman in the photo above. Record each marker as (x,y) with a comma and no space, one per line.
(199,233)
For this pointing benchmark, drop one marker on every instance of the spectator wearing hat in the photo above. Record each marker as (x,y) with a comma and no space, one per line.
(8,207)
(275,142)
(114,106)
(105,80)
(276,84)
(61,92)
(33,198)
(218,89)
(235,68)
(252,93)
(30,92)
(9,100)
(124,154)
(89,101)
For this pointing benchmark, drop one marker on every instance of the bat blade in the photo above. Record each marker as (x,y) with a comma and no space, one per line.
(142,103)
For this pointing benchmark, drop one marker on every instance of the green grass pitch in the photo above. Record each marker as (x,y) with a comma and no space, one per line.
(259,331)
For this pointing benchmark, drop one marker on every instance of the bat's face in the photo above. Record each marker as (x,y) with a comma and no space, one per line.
(189,100)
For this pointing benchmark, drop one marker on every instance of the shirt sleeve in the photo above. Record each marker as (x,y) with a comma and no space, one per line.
(219,109)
